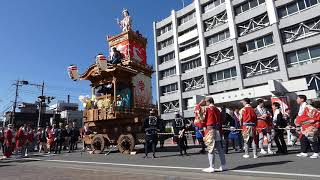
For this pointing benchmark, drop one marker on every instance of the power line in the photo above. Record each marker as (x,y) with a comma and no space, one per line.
(50,94)
(7,106)
(8,98)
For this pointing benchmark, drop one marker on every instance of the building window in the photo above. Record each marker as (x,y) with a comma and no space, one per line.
(187,18)
(253,24)
(256,44)
(188,30)
(263,66)
(212,4)
(313,82)
(167,57)
(189,45)
(189,103)
(218,37)
(170,107)
(187,66)
(296,6)
(168,72)
(221,56)
(247,6)
(165,43)
(301,30)
(169,88)
(303,56)
(193,83)
(164,29)
(223,75)
(215,21)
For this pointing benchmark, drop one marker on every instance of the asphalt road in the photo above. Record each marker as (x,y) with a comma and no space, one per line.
(167,166)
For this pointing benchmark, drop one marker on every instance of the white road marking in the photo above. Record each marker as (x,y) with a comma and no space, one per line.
(277,173)
(177,167)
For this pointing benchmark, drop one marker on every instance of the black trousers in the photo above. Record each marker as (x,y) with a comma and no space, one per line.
(72,143)
(150,143)
(280,142)
(305,144)
(58,146)
(226,141)
(182,146)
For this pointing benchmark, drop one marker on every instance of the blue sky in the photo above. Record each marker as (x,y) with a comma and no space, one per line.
(40,38)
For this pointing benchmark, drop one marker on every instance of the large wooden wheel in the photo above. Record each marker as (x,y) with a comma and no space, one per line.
(126,143)
(97,144)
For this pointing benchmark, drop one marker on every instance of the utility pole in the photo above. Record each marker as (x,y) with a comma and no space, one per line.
(13,114)
(68,100)
(40,99)
(21,83)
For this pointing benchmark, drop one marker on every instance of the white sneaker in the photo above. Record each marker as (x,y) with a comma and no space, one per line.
(222,168)
(255,156)
(208,170)
(302,155)
(263,151)
(314,156)
(270,152)
(246,156)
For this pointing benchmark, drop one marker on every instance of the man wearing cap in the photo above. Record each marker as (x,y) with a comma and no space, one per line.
(248,119)
(151,126)
(264,126)
(179,128)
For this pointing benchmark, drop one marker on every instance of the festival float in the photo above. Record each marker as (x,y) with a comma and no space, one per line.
(121,94)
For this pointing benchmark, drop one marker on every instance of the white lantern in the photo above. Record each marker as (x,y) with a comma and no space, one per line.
(101,62)
(73,72)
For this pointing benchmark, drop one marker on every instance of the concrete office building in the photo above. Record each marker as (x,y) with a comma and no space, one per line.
(231,49)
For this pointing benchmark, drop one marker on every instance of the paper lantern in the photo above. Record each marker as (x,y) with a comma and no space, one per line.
(73,72)
(101,61)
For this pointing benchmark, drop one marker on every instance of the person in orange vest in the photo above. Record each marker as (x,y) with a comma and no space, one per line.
(309,120)
(248,119)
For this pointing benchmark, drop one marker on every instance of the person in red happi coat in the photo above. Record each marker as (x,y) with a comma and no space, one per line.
(8,145)
(309,120)
(248,119)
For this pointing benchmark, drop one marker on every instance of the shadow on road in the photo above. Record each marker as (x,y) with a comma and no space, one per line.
(177,155)
(256,165)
